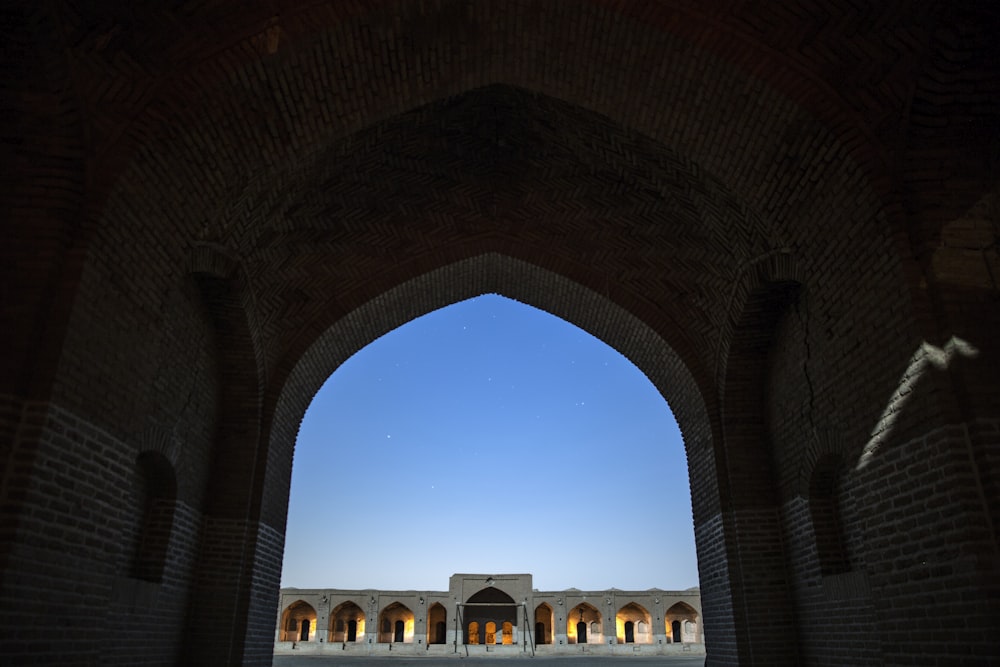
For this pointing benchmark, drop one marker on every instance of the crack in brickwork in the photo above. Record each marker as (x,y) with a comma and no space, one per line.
(799,306)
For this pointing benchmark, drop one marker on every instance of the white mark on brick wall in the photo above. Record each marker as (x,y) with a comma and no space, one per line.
(926,355)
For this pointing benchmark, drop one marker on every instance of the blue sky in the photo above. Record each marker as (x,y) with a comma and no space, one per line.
(489,436)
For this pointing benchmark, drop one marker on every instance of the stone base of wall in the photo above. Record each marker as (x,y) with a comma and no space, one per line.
(462,651)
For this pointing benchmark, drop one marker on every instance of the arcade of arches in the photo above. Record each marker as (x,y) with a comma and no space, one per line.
(785,214)
(480,610)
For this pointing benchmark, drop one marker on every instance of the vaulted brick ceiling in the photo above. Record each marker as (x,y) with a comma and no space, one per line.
(659,148)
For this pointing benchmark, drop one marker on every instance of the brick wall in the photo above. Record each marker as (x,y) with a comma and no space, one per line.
(209,208)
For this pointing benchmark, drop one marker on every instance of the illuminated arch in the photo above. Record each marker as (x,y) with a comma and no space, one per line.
(682,618)
(472,635)
(544,624)
(347,623)
(581,622)
(298,622)
(437,624)
(490,608)
(395,624)
(627,621)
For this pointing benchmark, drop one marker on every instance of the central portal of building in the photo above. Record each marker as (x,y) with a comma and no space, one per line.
(490,616)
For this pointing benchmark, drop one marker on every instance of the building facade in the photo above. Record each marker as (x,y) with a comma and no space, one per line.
(490,613)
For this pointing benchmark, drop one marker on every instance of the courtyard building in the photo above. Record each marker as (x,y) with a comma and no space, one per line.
(485,614)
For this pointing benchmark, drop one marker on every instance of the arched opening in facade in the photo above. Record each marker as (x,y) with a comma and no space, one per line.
(491,633)
(825,500)
(544,624)
(437,624)
(298,622)
(570,308)
(490,609)
(155,494)
(682,623)
(472,633)
(692,401)
(632,623)
(583,625)
(347,623)
(396,623)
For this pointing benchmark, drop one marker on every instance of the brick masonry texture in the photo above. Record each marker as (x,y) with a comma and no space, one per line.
(785,214)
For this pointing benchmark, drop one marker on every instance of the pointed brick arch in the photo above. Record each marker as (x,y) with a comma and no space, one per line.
(284,223)
(496,273)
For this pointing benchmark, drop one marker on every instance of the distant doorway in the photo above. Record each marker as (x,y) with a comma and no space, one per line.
(473,633)
(629,632)
(398,636)
(304,632)
(352,631)
(675,630)
(581,633)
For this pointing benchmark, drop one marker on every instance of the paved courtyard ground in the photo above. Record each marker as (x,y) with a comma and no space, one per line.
(556,661)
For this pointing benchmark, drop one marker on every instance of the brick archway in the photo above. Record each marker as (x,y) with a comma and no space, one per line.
(198,194)
(543,289)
